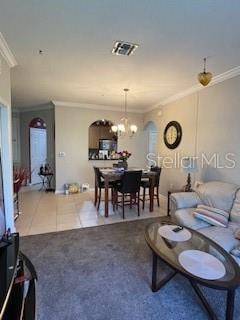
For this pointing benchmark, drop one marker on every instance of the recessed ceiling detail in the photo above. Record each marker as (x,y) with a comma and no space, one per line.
(122,48)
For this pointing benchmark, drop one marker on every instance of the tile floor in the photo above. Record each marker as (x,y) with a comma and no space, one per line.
(47,212)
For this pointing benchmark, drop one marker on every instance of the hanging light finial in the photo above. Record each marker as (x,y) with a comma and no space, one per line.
(204,77)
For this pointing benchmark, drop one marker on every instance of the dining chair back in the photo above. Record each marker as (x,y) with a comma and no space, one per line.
(158,171)
(129,185)
(99,185)
(130,181)
(145,184)
(98,179)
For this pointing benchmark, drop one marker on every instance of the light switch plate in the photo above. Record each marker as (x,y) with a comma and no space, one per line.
(61,154)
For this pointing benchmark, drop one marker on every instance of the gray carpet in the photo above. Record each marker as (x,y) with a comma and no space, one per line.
(104,273)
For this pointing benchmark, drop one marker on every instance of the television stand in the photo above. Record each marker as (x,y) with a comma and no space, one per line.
(18,283)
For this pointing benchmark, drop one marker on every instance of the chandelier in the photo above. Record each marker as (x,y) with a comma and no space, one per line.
(125,127)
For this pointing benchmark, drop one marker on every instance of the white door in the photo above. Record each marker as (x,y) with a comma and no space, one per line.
(38,152)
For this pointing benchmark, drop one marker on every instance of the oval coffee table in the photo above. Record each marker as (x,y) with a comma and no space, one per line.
(168,252)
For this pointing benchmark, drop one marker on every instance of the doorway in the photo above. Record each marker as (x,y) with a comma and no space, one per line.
(38,147)
(152,138)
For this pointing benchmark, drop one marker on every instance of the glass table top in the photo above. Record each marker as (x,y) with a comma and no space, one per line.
(169,252)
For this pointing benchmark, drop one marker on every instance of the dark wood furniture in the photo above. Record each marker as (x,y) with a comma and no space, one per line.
(167,252)
(110,174)
(99,185)
(18,283)
(46,178)
(19,176)
(145,184)
(128,185)
(16,188)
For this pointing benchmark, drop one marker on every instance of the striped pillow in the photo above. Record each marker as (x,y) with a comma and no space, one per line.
(213,216)
(237,233)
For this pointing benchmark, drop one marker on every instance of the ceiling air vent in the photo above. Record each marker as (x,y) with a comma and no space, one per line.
(124,48)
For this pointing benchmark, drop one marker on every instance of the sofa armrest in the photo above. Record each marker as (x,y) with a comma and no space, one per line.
(183,200)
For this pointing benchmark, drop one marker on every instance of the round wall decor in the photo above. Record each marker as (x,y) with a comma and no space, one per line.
(172,134)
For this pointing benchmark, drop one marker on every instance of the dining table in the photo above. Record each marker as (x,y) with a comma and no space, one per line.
(113,174)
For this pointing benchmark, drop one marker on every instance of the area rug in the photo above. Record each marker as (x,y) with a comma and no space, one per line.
(104,273)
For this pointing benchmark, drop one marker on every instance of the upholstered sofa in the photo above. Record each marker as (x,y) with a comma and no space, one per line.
(215,194)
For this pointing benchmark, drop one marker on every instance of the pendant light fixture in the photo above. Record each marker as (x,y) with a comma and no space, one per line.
(124,127)
(204,77)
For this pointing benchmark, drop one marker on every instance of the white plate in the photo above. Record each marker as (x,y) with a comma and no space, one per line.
(167,233)
(202,264)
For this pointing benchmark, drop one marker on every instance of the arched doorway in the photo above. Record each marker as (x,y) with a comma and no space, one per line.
(102,141)
(151,135)
(151,131)
(37,147)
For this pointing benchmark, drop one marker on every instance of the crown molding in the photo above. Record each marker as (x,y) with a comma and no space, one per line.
(93,106)
(40,107)
(6,52)
(234,72)
(154,107)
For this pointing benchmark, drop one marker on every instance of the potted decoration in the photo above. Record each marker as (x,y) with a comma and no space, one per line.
(123,157)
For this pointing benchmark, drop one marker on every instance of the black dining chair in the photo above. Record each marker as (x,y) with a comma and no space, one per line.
(129,185)
(145,184)
(99,184)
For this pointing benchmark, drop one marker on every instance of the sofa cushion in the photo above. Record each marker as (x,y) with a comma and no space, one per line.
(217,194)
(215,217)
(185,217)
(235,212)
(223,236)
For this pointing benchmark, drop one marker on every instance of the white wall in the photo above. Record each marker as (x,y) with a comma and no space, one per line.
(71,134)
(6,141)
(210,124)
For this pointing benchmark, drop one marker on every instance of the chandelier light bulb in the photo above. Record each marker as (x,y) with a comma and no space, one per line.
(114,128)
(121,128)
(133,128)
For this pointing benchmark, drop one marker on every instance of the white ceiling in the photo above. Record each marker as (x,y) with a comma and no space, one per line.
(77,37)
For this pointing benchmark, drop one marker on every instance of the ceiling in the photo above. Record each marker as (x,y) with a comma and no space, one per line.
(77,36)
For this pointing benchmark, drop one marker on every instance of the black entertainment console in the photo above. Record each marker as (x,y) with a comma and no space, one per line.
(17,283)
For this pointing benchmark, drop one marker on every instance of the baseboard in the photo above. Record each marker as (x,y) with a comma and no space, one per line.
(59,191)
(62,191)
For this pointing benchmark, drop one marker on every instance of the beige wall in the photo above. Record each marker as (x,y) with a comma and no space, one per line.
(72,138)
(6,139)
(5,86)
(25,118)
(210,124)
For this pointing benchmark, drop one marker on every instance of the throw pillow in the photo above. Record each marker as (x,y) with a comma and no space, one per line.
(235,212)
(236,251)
(216,210)
(213,216)
(237,234)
